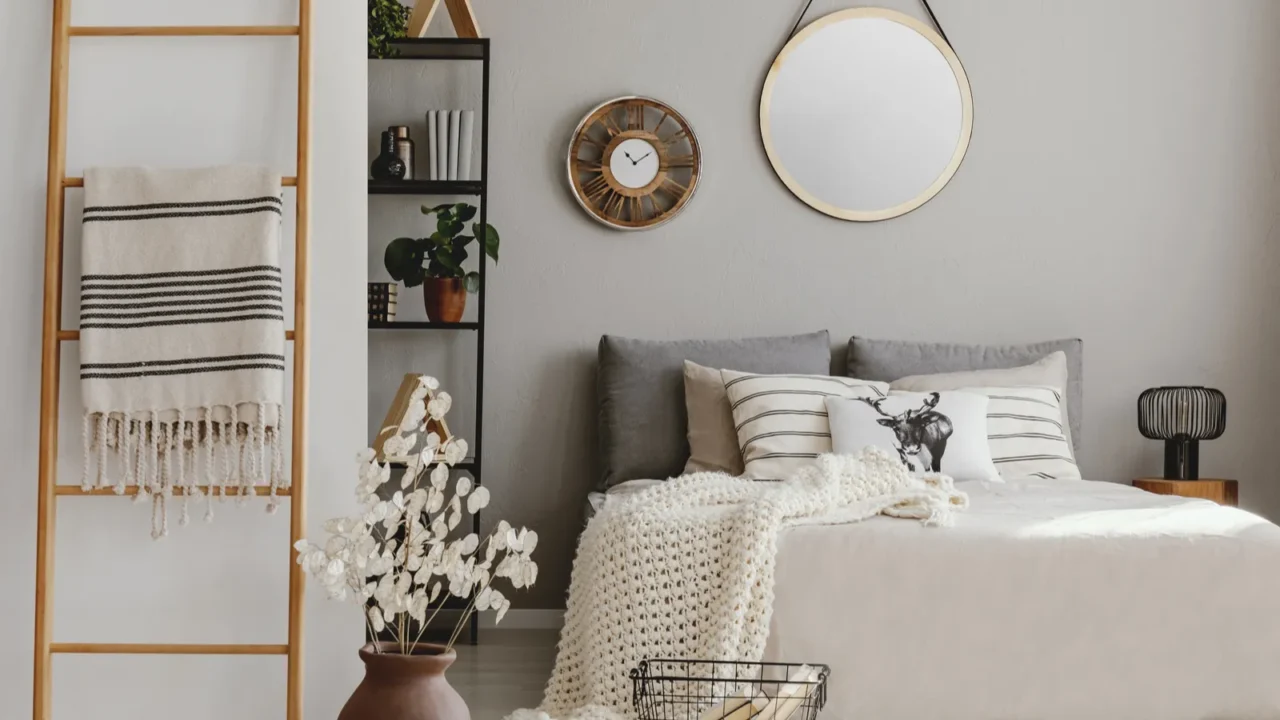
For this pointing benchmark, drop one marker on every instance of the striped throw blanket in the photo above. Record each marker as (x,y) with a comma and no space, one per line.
(182,333)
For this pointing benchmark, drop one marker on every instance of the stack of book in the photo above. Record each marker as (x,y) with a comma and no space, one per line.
(449,134)
(382,301)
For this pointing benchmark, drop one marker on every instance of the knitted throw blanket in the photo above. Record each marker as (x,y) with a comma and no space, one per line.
(182,332)
(685,570)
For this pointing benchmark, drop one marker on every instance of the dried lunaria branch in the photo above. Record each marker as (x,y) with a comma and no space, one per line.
(400,558)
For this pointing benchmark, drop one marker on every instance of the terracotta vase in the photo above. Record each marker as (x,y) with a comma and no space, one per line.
(405,687)
(446,298)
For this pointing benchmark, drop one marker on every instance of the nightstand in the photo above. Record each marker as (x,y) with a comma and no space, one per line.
(1223,492)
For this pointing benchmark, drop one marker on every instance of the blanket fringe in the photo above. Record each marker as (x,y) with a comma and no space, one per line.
(194,452)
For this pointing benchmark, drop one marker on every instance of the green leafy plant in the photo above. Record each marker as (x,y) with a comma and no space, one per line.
(388,21)
(412,260)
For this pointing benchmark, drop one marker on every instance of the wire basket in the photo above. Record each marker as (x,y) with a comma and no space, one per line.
(714,690)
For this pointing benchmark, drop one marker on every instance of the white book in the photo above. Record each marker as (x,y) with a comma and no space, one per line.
(464,144)
(442,144)
(432,172)
(455,121)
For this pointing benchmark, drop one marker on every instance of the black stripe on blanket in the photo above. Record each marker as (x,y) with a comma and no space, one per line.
(182,371)
(183,361)
(182,293)
(192,214)
(185,273)
(268,279)
(113,325)
(181,302)
(202,204)
(188,311)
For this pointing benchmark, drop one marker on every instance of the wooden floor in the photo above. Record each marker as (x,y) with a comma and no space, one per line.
(507,670)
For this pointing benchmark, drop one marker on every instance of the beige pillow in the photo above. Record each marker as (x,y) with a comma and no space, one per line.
(1048,371)
(713,443)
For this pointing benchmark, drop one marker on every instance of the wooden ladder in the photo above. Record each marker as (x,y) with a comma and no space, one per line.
(54,335)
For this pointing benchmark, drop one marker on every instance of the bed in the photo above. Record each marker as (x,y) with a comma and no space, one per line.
(1047,599)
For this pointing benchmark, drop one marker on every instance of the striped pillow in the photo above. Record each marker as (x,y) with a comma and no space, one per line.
(781,420)
(1026,434)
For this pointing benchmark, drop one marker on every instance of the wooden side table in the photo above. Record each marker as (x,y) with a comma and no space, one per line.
(1223,492)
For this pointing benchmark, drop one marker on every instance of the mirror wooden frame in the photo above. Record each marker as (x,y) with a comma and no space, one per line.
(966,126)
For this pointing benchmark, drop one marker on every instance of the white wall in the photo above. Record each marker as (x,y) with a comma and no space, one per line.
(179,102)
(1121,187)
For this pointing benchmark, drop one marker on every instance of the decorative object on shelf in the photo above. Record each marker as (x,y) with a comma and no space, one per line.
(866,113)
(404,149)
(436,262)
(1223,492)
(449,136)
(433,171)
(634,163)
(403,586)
(382,301)
(388,165)
(460,13)
(1182,417)
(388,21)
(467,130)
(406,395)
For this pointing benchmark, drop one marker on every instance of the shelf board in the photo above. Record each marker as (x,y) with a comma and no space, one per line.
(469,465)
(425,187)
(440,49)
(422,325)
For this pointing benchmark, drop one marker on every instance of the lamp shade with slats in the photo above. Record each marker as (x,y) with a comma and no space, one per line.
(1192,413)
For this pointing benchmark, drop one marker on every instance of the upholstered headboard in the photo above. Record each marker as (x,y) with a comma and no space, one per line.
(642,420)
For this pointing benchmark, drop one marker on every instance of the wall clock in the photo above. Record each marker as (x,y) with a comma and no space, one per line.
(634,163)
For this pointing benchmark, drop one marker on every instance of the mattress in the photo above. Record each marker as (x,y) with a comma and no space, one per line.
(1047,599)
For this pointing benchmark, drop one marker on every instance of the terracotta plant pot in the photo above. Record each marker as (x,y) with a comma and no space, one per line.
(405,687)
(446,298)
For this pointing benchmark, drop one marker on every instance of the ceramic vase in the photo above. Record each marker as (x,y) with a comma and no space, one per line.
(405,687)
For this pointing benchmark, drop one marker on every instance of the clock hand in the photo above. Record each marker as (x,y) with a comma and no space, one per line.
(633,160)
(637,162)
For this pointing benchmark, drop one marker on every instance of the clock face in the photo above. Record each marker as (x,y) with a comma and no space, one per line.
(634,163)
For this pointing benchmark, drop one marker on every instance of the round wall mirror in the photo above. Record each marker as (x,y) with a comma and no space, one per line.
(866,114)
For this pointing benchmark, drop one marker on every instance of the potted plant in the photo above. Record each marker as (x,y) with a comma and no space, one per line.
(388,21)
(436,262)
(401,559)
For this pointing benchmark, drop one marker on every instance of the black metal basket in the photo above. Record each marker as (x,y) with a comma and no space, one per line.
(712,690)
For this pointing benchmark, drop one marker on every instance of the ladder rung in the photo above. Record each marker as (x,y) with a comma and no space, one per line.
(165,649)
(131,490)
(70,335)
(181,30)
(286,181)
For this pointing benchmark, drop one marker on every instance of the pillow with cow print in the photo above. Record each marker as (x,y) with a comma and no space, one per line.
(942,432)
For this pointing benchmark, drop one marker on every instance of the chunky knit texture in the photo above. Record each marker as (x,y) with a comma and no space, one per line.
(685,569)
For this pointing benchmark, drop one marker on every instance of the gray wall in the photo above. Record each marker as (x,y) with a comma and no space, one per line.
(1121,187)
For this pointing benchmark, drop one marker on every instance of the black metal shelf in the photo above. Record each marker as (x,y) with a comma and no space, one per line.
(425,187)
(422,325)
(454,49)
(439,49)
(469,466)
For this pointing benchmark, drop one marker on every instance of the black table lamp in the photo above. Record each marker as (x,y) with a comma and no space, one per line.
(1182,417)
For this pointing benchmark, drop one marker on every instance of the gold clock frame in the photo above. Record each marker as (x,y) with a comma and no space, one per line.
(633,198)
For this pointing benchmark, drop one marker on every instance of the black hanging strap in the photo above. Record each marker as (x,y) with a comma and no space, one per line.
(934,18)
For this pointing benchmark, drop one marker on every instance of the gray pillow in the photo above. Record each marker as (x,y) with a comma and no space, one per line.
(889,360)
(643,425)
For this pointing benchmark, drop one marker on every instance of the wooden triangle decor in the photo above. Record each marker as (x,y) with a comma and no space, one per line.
(399,406)
(460,12)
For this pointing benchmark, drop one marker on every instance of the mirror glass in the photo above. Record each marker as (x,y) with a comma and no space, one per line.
(866,114)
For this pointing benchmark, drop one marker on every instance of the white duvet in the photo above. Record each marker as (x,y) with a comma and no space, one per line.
(1047,599)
